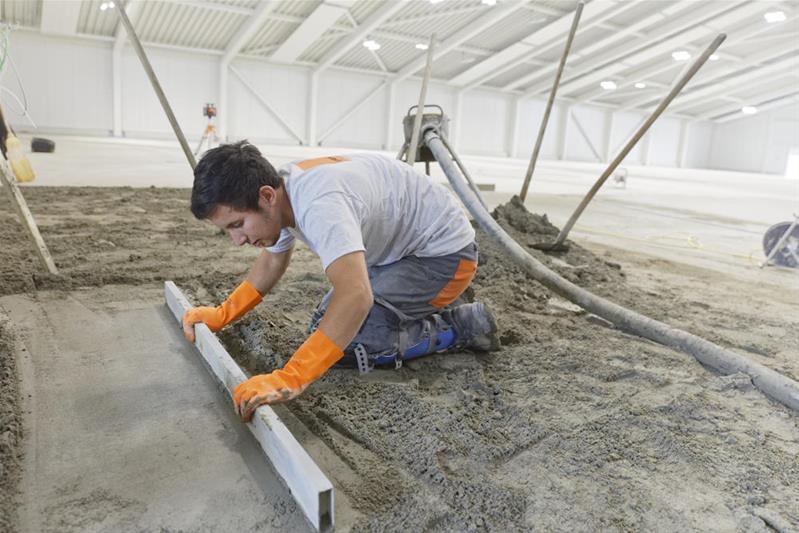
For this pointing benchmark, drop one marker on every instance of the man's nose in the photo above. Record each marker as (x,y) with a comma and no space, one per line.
(238,238)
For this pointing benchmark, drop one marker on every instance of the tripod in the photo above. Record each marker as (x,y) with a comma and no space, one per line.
(209,138)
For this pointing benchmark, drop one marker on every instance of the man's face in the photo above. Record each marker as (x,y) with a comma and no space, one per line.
(259,227)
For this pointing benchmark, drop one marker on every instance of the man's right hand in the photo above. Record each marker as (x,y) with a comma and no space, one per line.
(240,301)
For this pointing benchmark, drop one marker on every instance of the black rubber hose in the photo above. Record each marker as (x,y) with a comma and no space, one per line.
(775,385)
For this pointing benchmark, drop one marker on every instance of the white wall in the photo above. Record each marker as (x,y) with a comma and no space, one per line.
(69,89)
(759,143)
(66,84)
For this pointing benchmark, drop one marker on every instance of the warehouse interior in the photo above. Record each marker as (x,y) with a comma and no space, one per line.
(675,122)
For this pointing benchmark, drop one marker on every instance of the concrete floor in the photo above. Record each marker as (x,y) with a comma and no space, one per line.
(125,428)
(712,219)
(102,459)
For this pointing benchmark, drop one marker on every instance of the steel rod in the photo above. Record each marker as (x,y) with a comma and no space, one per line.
(417,122)
(773,384)
(543,127)
(637,137)
(134,39)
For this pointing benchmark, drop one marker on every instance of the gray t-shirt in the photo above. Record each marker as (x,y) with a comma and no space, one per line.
(371,203)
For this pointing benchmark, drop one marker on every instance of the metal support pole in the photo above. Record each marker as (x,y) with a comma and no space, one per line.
(417,122)
(390,109)
(134,39)
(640,133)
(313,93)
(543,128)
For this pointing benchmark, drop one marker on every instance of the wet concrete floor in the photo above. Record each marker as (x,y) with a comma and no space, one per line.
(124,427)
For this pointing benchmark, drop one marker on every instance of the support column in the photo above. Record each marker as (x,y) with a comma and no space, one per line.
(391,117)
(514,113)
(116,73)
(222,108)
(608,134)
(682,143)
(769,135)
(455,125)
(313,93)
(646,145)
(563,130)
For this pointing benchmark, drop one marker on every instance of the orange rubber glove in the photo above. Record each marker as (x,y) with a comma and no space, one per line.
(240,301)
(316,355)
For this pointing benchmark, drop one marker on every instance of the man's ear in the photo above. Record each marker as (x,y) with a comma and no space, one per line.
(267,196)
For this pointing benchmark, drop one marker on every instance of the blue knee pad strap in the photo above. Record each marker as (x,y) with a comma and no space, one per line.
(441,342)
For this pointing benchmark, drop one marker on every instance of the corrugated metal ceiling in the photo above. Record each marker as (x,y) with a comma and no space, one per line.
(212,24)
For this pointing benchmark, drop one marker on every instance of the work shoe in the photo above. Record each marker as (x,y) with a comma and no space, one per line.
(475,326)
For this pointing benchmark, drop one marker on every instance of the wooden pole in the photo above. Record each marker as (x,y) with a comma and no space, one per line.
(632,142)
(26,218)
(159,92)
(417,121)
(543,128)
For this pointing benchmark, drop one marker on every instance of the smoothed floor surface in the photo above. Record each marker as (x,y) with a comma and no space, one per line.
(125,429)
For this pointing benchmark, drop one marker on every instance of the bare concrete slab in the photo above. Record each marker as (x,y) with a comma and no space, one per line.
(125,429)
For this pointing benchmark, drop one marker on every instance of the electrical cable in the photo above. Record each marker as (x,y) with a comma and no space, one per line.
(7,57)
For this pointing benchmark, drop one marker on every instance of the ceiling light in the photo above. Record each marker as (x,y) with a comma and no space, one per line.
(774,16)
(748,110)
(371,44)
(489,2)
(106,5)
(436,1)
(421,46)
(681,55)
(608,85)
(640,85)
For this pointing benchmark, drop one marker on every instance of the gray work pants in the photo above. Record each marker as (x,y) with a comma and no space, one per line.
(407,294)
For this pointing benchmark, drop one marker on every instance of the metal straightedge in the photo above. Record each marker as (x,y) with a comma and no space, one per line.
(309,486)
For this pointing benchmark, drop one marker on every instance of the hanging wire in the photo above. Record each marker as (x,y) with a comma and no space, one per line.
(7,58)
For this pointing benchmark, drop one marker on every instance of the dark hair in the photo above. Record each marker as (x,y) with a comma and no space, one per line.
(231,174)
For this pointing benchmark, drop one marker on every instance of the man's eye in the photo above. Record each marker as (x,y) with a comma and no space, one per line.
(236,225)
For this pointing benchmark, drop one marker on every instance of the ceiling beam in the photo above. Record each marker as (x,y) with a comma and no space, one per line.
(59,17)
(537,42)
(207,4)
(725,67)
(665,30)
(426,17)
(776,103)
(587,51)
(378,16)
(746,78)
(482,23)
(247,30)
(762,102)
(314,26)
(706,30)
(630,79)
